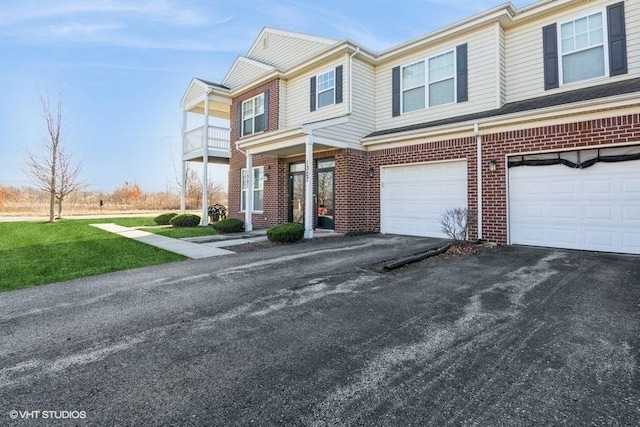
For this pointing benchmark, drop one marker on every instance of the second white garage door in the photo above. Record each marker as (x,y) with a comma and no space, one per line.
(413,197)
(597,208)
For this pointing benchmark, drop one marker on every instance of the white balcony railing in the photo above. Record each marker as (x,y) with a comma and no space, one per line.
(218,139)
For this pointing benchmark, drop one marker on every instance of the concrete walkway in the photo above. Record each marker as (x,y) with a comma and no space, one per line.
(188,249)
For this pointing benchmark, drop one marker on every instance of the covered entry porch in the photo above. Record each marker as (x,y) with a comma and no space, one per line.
(309,176)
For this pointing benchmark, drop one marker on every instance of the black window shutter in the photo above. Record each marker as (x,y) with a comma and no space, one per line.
(395,92)
(312,97)
(462,83)
(239,118)
(338,84)
(617,39)
(550,54)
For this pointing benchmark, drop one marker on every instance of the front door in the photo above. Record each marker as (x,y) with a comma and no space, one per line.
(325,194)
(296,193)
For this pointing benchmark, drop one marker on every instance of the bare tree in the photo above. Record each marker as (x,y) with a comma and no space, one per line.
(50,168)
(68,179)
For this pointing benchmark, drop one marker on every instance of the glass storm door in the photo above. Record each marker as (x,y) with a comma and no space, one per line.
(325,194)
(296,193)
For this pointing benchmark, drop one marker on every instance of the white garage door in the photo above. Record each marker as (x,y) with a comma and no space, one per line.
(413,197)
(596,208)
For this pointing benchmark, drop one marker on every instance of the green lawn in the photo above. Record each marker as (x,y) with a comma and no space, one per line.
(35,253)
(182,232)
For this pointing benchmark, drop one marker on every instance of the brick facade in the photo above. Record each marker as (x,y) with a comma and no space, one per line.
(357,196)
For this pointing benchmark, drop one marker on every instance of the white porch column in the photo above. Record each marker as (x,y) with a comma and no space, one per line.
(248,208)
(308,188)
(205,164)
(183,177)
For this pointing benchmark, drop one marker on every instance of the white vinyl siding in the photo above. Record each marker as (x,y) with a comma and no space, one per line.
(482,81)
(245,72)
(298,108)
(362,118)
(258,189)
(284,51)
(195,94)
(524,62)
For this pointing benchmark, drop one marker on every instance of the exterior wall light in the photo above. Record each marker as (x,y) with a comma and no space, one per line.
(266,176)
(493,165)
(371,172)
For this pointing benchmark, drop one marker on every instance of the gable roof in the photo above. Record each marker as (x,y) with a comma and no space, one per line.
(244,70)
(284,49)
(197,89)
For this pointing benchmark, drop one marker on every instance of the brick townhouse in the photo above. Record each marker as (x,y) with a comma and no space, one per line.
(529,118)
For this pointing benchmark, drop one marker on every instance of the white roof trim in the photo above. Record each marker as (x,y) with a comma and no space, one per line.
(301,36)
(209,88)
(244,59)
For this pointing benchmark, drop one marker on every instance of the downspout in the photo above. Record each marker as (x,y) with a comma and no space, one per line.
(476,131)
(350,108)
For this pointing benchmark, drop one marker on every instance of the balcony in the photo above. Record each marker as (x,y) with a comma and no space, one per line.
(217,144)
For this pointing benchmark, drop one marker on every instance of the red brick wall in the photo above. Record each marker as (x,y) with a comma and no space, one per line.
(464,148)
(273,186)
(494,146)
(547,138)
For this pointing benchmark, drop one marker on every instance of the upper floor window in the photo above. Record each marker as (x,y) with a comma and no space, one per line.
(441,79)
(326,88)
(413,87)
(582,46)
(585,48)
(253,115)
(430,87)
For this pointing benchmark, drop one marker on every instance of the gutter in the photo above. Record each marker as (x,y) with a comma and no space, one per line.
(476,131)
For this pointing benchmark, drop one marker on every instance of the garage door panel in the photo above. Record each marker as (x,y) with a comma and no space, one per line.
(413,197)
(596,208)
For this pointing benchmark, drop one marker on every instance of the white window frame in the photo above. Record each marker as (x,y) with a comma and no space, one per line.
(318,91)
(253,115)
(605,44)
(426,82)
(404,89)
(243,187)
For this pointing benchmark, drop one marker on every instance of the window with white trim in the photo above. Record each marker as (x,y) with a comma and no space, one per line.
(253,117)
(441,79)
(583,48)
(429,83)
(258,189)
(413,87)
(326,89)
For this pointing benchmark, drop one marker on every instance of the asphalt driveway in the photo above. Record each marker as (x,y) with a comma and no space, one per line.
(315,334)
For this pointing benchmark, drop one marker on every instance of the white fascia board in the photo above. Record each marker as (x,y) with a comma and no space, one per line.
(484,18)
(240,59)
(559,112)
(301,36)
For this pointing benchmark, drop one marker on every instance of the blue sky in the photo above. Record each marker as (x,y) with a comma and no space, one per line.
(121,67)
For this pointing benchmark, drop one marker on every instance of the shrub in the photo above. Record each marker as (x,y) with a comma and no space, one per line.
(165,218)
(186,220)
(229,225)
(286,233)
(454,224)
